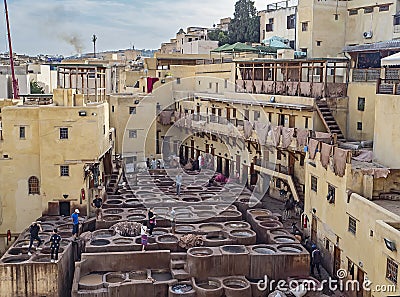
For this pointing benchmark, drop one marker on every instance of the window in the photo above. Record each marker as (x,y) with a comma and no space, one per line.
(352,225)
(327,244)
(314,184)
(331,194)
(384,7)
(306,122)
(396,20)
(281,119)
(226,83)
(359,126)
(104,129)
(132,110)
(234,112)
(304,26)
(256,115)
(63,133)
(112,108)
(33,185)
(22,132)
(301,160)
(263,34)
(304,50)
(368,9)
(291,21)
(353,11)
(319,42)
(132,133)
(336,17)
(391,270)
(291,44)
(361,103)
(178,80)
(210,85)
(278,155)
(270,117)
(64,170)
(270,26)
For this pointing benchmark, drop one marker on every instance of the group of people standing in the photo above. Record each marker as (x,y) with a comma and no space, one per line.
(55,240)
(148,225)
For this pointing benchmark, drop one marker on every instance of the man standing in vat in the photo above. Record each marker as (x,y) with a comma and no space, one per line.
(152,221)
(143,236)
(97,203)
(34,230)
(178,184)
(172,218)
(55,245)
(75,222)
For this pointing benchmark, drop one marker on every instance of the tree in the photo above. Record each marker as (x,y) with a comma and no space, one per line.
(36,88)
(219,35)
(245,25)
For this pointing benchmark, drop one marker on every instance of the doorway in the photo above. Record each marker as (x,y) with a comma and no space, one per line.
(227,168)
(219,164)
(314,229)
(64,208)
(360,280)
(336,260)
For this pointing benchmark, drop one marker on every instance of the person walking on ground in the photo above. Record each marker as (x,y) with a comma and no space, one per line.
(75,222)
(152,221)
(97,204)
(34,230)
(316,259)
(143,235)
(55,245)
(172,218)
(178,184)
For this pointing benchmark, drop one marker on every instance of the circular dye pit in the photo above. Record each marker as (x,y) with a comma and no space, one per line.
(182,229)
(205,214)
(160,231)
(99,242)
(271,224)
(167,239)
(229,213)
(136,217)
(191,199)
(110,218)
(114,278)
(216,236)
(113,211)
(289,249)
(161,275)
(200,252)
(237,225)
(103,233)
(15,259)
(91,281)
(41,258)
(259,212)
(181,288)
(122,241)
(235,283)
(114,202)
(234,249)
(209,285)
(284,239)
(265,250)
(210,227)
(242,233)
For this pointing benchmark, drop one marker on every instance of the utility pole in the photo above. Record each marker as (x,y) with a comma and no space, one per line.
(14,80)
(94,39)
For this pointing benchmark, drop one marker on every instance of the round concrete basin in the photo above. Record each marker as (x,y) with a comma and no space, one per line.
(103,233)
(284,239)
(112,211)
(114,278)
(236,283)
(210,227)
(264,250)
(139,275)
(110,218)
(292,249)
(122,241)
(200,252)
(242,233)
(184,229)
(234,249)
(167,239)
(15,259)
(99,242)
(237,225)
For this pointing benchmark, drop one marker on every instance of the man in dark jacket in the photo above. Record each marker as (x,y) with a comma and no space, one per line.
(34,230)
(316,259)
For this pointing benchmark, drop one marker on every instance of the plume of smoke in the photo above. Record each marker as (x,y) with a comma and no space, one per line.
(73,40)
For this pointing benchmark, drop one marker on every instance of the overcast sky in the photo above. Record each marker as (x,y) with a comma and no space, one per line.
(64,26)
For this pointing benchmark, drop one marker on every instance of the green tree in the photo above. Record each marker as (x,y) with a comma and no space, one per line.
(36,88)
(245,25)
(219,35)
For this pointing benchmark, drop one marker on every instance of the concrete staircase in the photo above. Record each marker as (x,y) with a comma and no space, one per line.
(178,266)
(328,120)
(299,189)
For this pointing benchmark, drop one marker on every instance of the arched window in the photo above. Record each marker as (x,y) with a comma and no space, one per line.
(33,185)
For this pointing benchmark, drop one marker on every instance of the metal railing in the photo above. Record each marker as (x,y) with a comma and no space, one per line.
(366,75)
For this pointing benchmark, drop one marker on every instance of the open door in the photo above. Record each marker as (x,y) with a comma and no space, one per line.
(336,260)
(314,227)
(64,208)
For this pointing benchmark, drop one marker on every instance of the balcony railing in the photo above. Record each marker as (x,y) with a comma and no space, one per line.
(366,75)
(388,86)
